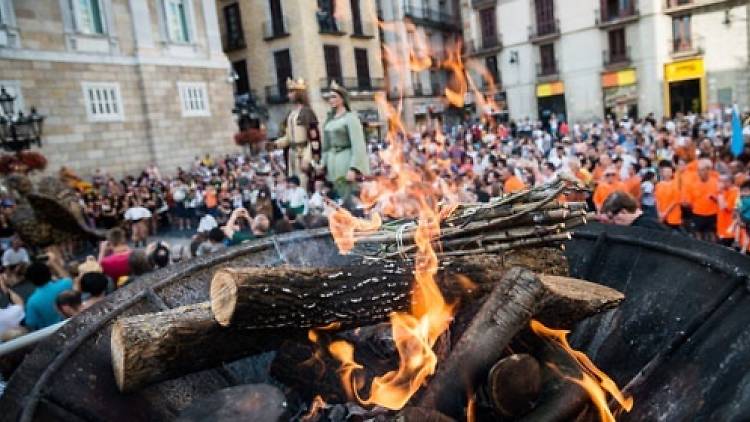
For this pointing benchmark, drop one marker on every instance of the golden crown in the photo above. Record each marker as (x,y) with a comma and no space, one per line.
(299,84)
(335,86)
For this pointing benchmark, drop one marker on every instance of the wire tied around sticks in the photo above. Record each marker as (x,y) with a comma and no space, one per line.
(400,239)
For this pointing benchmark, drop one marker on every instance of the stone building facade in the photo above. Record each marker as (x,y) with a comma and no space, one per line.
(319,41)
(583,59)
(438,22)
(122,83)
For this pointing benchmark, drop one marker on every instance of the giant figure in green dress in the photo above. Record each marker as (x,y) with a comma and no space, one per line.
(344,148)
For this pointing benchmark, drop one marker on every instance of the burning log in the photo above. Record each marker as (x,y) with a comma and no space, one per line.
(164,345)
(352,296)
(514,384)
(518,297)
(252,402)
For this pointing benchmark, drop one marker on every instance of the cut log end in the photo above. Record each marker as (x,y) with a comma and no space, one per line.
(118,355)
(223,296)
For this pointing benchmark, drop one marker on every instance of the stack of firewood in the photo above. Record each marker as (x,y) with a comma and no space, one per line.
(253,310)
(529,218)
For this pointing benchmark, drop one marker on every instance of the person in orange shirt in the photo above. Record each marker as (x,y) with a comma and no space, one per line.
(702,195)
(633,182)
(604,163)
(511,183)
(727,200)
(606,186)
(210,199)
(668,197)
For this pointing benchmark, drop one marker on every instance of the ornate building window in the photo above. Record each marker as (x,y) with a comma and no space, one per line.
(176,13)
(88,17)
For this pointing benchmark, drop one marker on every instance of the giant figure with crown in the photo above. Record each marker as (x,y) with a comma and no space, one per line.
(300,135)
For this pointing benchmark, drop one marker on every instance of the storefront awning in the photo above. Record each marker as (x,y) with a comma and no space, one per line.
(684,70)
(620,78)
(550,89)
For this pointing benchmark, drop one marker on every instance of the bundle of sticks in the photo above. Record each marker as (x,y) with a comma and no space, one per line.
(531,217)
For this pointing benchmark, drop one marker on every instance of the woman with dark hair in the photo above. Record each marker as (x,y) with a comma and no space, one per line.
(344,146)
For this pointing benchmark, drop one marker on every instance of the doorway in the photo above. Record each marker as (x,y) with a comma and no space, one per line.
(547,106)
(685,96)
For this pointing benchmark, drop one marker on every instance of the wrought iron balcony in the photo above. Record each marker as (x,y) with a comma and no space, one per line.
(362,30)
(547,69)
(273,29)
(235,42)
(607,17)
(544,30)
(276,94)
(682,6)
(685,47)
(430,17)
(331,25)
(486,45)
(616,59)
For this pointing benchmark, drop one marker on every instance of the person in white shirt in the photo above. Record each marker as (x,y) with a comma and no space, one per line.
(16,254)
(139,218)
(207,223)
(295,196)
(317,201)
(12,315)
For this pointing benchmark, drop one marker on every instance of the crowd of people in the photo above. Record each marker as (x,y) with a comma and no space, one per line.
(675,174)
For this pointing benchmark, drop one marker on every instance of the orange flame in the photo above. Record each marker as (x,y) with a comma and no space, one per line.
(410,191)
(406,191)
(315,407)
(455,92)
(343,225)
(471,408)
(593,380)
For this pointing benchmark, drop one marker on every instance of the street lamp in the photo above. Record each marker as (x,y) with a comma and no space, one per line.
(20,132)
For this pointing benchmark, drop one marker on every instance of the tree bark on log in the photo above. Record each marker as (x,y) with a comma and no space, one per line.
(518,297)
(164,345)
(352,296)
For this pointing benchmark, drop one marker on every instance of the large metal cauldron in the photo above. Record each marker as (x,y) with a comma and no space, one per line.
(680,341)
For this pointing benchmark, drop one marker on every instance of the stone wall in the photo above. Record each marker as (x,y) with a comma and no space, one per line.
(49,65)
(152,130)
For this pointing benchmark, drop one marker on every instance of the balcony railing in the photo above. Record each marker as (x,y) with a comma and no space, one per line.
(680,47)
(418,90)
(276,94)
(436,89)
(331,25)
(485,86)
(354,85)
(682,6)
(679,5)
(607,17)
(544,30)
(547,69)
(614,59)
(485,45)
(428,16)
(236,42)
(278,30)
(363,30)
